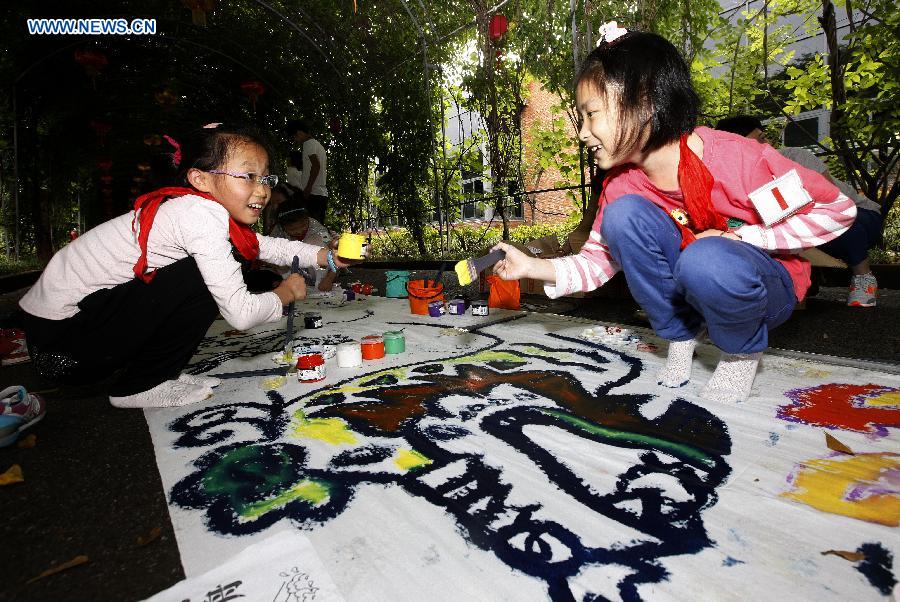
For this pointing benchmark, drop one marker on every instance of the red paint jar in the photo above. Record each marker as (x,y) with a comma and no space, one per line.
(356,287)
(310,368)
(366,289)
(372,347)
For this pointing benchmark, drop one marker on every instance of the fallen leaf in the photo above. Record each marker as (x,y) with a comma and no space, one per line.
(155,532)
(81,559)
(27,442)
(834,444)
(851,556)
(13,475)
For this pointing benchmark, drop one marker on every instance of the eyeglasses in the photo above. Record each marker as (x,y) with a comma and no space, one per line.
(268,181)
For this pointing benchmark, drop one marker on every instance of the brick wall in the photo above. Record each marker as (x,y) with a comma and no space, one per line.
(552,207)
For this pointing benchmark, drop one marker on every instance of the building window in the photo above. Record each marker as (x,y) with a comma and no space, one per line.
(803,132)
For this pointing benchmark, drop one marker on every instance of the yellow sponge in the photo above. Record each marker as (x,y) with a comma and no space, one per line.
(463,272)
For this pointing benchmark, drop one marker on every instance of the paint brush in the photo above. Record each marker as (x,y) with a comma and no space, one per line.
(467,270)
(289,335)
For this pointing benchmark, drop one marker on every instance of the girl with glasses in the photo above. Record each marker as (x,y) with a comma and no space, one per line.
(138,293)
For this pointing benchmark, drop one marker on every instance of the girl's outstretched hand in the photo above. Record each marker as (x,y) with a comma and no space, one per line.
(292,288)
(515,265)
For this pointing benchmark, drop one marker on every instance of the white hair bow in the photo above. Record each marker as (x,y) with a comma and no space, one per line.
(610,32)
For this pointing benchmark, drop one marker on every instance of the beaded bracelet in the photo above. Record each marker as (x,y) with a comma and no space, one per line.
(331,264)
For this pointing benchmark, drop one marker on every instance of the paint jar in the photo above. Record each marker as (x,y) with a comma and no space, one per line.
(356,287)
(329,351)
(312,320)
(366,289)
(394,342)
(349,355)
(395,284)
(480,308)
(349,295)
(352,246)
(421,293)
(310,368)
(372,347)
(436,309)
(456,307)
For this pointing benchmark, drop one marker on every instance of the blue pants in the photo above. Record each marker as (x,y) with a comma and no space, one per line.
(737,289)
(853,245)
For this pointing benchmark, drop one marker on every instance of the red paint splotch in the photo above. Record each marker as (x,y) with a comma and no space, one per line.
(841,406)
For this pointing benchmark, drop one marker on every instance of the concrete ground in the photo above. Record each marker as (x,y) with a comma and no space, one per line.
(92,488)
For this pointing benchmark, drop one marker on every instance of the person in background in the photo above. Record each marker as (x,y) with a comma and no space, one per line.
(314,173)
(295,223)
(852,247)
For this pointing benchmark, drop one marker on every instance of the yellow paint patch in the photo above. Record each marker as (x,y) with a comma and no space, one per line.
(313,492)
(329,430)
(408,459)
(857,486)
(891,399)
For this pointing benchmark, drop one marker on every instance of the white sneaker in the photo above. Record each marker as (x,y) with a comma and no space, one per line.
(863,291)
(203,381)
(167,394)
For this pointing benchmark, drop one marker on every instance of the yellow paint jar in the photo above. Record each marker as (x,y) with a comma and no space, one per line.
(352,246)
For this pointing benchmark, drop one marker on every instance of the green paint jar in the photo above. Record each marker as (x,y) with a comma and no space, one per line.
(394,342)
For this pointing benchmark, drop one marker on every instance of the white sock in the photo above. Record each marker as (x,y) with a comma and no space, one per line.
(677,371)
(199,379)
(166,394)
(733,378)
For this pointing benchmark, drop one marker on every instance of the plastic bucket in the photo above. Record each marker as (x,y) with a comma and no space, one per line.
(421,295)
(396,283)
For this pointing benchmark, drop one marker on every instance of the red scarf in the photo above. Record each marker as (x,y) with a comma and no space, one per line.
(696,187)
(243,238)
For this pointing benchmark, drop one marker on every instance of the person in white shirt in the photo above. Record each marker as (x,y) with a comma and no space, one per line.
(294,223)
(851,247)
(138,292)
(314,174)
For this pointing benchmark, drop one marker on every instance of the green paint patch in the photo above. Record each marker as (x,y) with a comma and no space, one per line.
(410,459)
(312,492)
(330,430)
(560,355)
(248,469)
(678,449)
(487,356)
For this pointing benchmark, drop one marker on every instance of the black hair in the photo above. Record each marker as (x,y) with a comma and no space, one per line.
(647,79)
(291,212)
(208,148)
(296,125)
(740,124)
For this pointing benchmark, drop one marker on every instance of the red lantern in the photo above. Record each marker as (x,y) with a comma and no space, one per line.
(105,164)
(198,9)
(335,125)
(106,191)
(93,63)
(253,89)
(497,27)
(102,129)
(106,179)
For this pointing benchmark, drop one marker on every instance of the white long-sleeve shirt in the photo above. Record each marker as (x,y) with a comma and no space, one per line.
(104,257)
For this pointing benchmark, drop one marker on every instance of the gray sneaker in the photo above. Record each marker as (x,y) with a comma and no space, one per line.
(863,291)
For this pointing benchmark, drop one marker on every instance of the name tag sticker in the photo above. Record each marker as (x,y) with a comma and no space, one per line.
(780,198)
